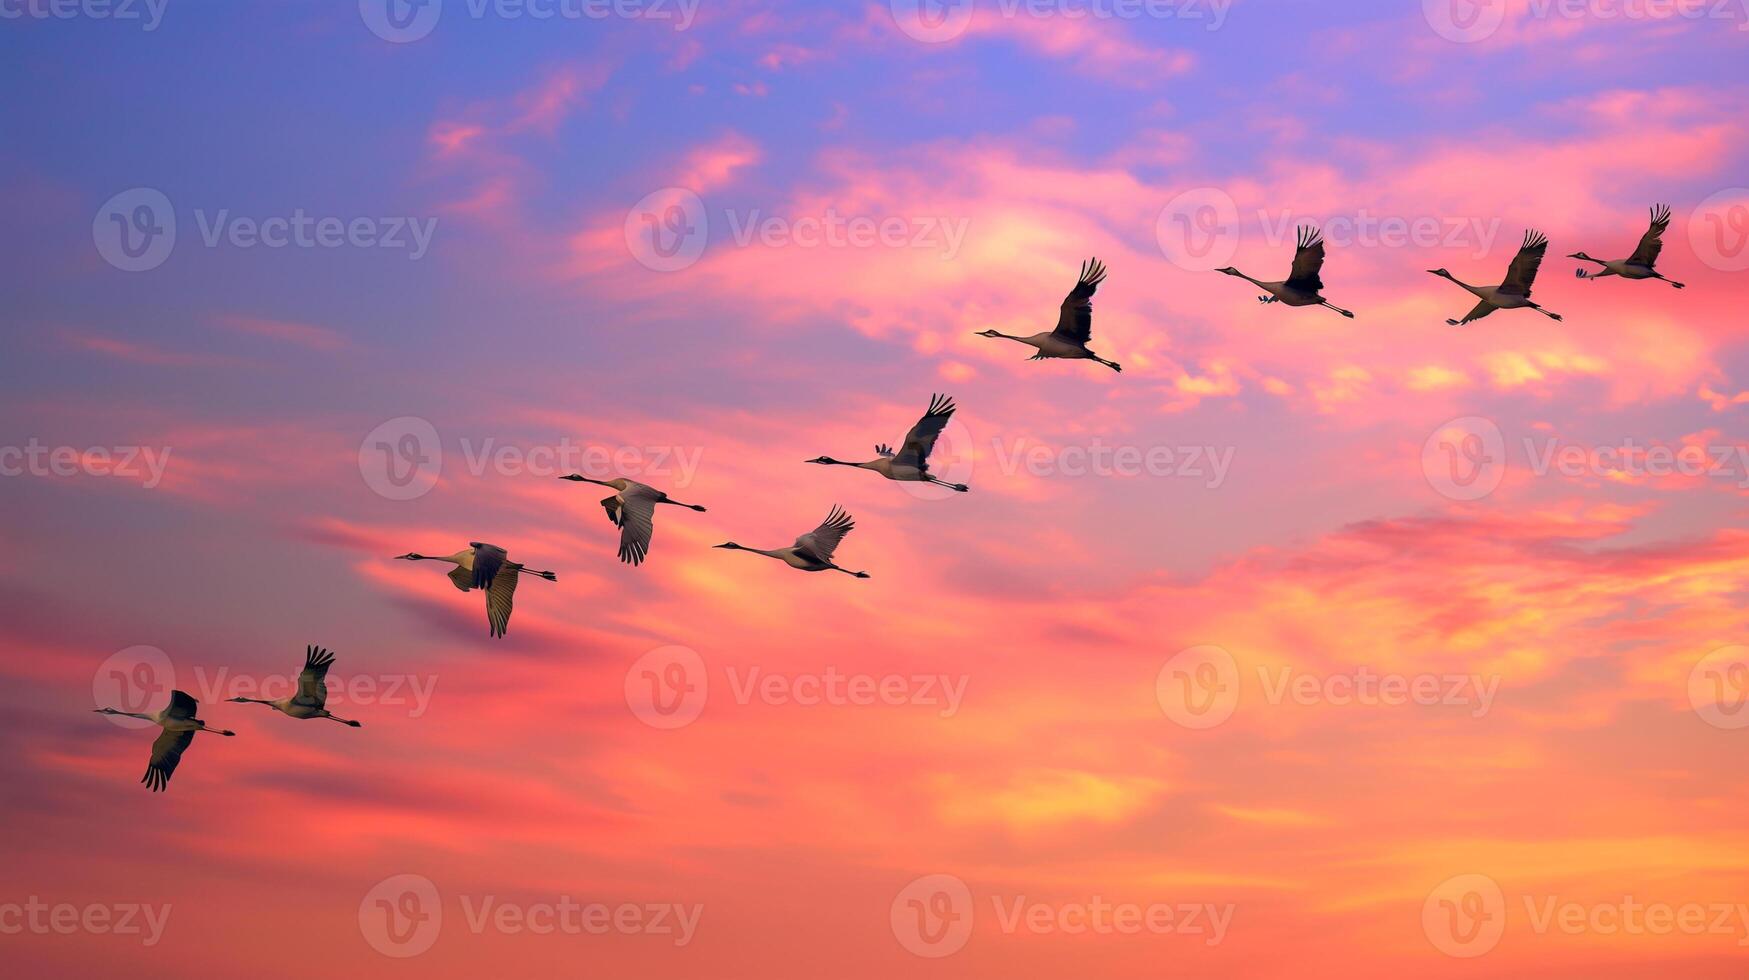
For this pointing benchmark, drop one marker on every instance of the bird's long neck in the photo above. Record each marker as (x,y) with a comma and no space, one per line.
(1255,282)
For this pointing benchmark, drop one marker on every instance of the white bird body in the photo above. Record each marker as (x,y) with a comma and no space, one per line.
(311,701)
(911,463)
(1074,323)
(1622,268)
(632,509)
(1514,293)
(179,723)
(1641,264)
(813,551)
(487,567)
(1303,286)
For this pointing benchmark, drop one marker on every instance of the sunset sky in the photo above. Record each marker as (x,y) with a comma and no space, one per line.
(1303,646)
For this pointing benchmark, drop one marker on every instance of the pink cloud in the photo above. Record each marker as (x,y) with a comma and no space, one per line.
(302,334)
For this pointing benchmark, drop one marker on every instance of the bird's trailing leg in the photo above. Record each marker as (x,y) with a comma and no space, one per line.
(1325,302)
(1672,282)
(847,571)
(962,488)
(1553,316)
(688,506)
(341,720)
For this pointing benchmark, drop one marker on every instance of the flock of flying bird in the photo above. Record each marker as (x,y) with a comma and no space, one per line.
(632,506)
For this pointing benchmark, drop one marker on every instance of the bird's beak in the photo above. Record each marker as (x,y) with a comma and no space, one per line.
(1575,255)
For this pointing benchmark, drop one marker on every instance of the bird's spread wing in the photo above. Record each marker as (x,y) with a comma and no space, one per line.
(1652,242)
(313,682)
(1308,259)
(488,559)
(1482,309)
(182,705)
(822,541)
(498,598)
(921,439)
(463,579)
(636,523)
(1075,321)
(167,751)
(1530,257)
